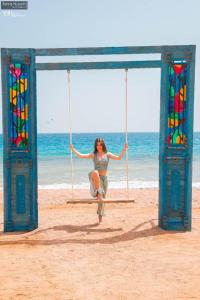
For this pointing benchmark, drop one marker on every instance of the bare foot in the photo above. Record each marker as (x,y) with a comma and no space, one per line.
(100,219)
(99,197)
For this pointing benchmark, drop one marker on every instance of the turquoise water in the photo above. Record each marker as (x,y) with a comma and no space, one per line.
(54,169)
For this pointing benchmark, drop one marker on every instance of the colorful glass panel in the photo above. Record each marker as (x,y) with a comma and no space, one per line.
(177,103)
(18,106)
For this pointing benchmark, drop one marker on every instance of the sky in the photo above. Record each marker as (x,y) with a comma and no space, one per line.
(98,97)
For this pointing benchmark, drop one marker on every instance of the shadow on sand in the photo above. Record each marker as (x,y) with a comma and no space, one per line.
(135,233)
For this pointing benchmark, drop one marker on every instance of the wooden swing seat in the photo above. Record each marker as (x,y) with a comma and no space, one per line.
(89,201)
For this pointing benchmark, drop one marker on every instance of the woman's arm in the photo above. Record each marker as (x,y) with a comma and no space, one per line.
(118,157)
(80,155)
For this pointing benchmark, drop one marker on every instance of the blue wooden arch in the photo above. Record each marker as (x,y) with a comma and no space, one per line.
(19,68)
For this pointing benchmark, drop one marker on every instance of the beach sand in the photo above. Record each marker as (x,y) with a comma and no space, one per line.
(128,256)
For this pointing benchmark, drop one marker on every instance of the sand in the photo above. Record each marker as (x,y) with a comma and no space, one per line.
(127,257)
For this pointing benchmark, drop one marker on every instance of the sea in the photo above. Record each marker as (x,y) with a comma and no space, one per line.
(57,171)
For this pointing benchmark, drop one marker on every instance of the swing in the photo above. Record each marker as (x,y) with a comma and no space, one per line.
(89,201)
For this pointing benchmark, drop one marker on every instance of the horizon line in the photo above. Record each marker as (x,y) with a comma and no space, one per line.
(79,132)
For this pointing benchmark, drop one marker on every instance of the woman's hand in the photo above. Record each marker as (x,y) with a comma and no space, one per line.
(118,157)
(125,146)
(71,147)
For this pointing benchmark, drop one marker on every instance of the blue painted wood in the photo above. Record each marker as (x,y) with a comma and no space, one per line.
(20,194)
(112,50)
(20,166)
(6,162)
(190,124)
(33,160)
(175,190)
(99,65)
(175,161)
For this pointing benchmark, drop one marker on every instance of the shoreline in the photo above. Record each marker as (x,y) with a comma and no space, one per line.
(142,196)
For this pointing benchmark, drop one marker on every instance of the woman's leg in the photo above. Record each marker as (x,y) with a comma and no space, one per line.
(96,179)
(101,206)
(97,183)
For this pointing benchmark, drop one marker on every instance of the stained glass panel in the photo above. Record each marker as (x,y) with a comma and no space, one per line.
(18,106)
(177,103)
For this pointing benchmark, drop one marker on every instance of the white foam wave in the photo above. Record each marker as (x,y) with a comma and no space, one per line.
(112,185)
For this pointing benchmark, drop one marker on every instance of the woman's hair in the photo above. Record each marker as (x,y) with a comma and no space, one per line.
(100,140)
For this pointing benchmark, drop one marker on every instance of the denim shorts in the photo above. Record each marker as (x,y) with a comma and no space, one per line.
(103,185)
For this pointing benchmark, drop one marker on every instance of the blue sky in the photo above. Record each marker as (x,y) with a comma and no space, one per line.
(98,96)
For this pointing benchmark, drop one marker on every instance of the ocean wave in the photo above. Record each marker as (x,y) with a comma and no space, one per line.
(122,184)
(137,184)
(112,185)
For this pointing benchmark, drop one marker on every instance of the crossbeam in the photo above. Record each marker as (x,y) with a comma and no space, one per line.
(88,201)
(99,65)
(111,50)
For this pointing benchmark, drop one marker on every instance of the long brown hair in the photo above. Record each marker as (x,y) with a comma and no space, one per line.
(100,140)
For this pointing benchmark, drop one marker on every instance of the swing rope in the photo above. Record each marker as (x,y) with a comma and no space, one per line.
(126,129)
(71,156)
(70,133)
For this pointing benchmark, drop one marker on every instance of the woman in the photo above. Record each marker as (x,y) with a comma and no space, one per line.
(98,178)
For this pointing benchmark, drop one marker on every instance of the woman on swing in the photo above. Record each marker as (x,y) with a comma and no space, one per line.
(98,178)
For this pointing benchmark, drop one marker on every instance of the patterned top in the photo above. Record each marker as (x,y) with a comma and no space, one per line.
(101,164)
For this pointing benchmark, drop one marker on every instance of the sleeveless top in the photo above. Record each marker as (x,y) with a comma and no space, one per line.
(101,164)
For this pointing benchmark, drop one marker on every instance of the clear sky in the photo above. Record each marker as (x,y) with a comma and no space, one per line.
(98,96)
